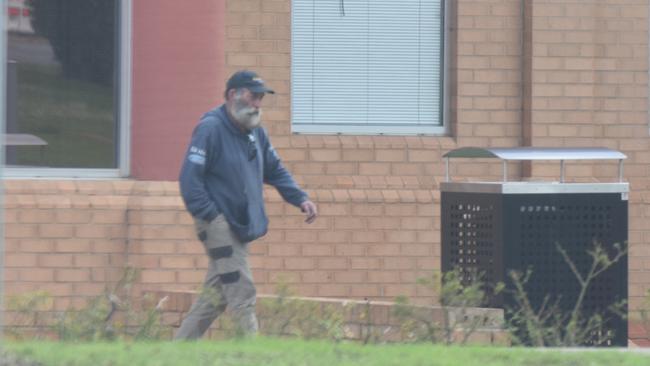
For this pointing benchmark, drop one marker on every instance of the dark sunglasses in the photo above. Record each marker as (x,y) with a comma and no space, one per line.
(252,147)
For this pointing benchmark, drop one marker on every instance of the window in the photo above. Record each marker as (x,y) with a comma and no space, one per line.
(367,66)
(67,87)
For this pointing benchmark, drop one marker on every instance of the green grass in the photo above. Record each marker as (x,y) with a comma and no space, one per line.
(276,352)
(74,117)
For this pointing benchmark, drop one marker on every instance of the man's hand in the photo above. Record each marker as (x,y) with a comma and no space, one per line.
(309,208)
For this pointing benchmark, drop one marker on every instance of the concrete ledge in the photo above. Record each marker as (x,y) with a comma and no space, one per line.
(361,319)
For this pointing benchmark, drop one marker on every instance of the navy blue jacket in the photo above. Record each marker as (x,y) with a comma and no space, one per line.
(224,171)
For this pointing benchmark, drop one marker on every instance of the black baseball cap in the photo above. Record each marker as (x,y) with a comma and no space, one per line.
(249,80)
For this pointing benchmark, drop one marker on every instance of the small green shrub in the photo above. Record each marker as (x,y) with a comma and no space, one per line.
(286,315)
(88,324)
(644,314)
(30,315)
(115,314)
(458,291)
(551,325)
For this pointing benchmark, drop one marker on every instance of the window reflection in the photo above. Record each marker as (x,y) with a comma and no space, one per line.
(61,89)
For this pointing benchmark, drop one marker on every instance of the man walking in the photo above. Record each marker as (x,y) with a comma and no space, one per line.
(227,162)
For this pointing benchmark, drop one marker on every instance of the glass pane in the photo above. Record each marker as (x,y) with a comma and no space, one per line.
(61,83)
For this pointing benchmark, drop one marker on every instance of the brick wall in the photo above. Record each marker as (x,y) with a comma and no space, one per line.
(74,239)
(378,194)
(557,73)
(590,87)
(66,238)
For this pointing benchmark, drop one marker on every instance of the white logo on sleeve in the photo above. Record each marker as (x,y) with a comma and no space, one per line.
(196,155)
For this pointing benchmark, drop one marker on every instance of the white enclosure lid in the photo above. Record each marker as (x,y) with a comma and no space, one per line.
(538,153)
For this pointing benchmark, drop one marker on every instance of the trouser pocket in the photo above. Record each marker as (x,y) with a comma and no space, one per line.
(226,252)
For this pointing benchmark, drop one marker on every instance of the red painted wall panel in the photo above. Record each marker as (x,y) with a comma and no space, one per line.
(178,74)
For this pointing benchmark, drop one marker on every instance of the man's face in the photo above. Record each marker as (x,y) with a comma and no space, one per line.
(246,108)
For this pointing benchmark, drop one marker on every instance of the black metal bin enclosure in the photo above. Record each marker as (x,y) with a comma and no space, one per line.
(497,227)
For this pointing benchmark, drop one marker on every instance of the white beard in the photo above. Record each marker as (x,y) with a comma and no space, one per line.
(247,117)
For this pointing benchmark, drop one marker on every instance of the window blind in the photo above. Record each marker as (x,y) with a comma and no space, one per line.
(367,66)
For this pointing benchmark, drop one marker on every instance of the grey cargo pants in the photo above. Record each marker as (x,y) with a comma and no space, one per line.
(229,282)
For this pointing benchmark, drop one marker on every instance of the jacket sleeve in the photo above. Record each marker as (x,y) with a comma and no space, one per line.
(277,175)
(193,171)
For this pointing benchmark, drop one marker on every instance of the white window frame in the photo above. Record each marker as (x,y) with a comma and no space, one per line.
(394,130)
(124,113)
